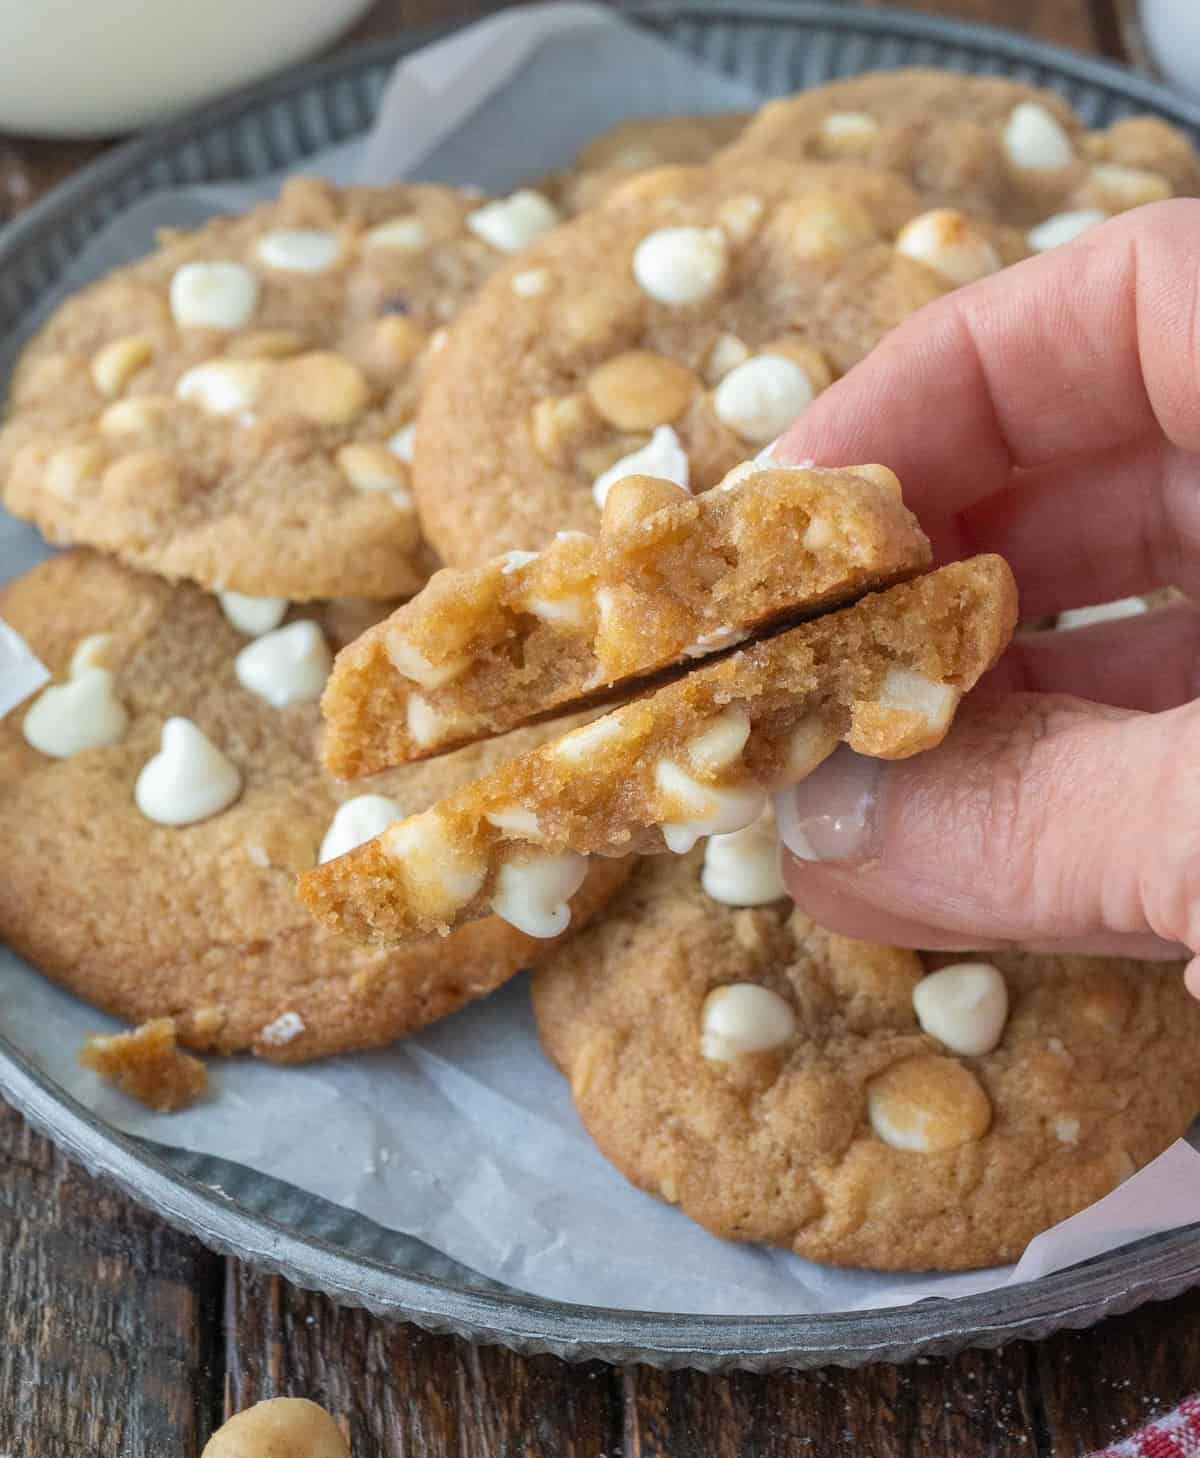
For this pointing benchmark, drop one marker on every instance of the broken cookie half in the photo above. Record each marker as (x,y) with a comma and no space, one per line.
(697,757)
(669,578)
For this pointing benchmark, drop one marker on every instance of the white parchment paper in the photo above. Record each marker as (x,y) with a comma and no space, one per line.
(465,1136)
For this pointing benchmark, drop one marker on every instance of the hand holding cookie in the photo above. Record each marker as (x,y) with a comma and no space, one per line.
(1060,812)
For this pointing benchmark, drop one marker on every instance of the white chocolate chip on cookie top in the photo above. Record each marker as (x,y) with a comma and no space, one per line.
(214,295)
(357,820)
(681,265)
(964,1006)
(287,665)
(744,1018)
(188,780)
(512,223)
(85,712)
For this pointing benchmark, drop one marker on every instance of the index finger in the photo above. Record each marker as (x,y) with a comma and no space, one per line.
(1083,350)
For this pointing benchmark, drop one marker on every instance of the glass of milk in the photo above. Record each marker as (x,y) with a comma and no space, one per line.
(1171,34)
(92,68)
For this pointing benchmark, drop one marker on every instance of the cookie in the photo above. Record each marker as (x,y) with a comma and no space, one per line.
(192,914)
(670,576)
(638,144)
(695,758)
(235,408)
(786,1085)
(996,148)
(716,302)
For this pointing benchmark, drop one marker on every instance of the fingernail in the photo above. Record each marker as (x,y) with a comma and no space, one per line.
(833,815)
(777,454)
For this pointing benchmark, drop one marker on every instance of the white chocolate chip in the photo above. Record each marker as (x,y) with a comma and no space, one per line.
(1062,227)
(286,1028)
(681,265)
(83,713)
(412,663)
(1104,612)
(744,1018)
(355,822)
(401,444)
(253,616)
(713,642)
(188,780)
(1035,140)
(1066,1130)
(950,244)
(905,689)
(1116,187)
(706,809)
(743,868)
(964,1006)
(662,456)
(512,223)
(812,742)
(222,386)
(299,250)
(533,895)
(818,534)
(137,415)
(406,235)
(760,398)
(286,666)
(515,820)
(582,743)
(516,559)
(531,282)
(94,651)
(116,364)
(928,1104)
(213,296)
(436,868)
(425,724)
(740,216)
(727,353)
(572,609)
(720,742)
(372,468)
(849,132)
(732,479)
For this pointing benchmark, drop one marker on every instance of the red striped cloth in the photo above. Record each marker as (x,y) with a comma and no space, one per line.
(1175,1436)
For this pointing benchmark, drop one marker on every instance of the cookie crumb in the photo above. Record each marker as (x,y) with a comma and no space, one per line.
(148,1066)
(284,1029)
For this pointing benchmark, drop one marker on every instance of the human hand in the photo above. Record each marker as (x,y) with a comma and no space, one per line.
(1051,414)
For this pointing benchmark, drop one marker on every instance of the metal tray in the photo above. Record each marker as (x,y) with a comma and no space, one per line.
(779,46)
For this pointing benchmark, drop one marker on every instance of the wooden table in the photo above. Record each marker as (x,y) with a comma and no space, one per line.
(120,1338)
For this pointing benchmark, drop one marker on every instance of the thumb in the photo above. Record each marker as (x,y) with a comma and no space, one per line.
(1041,819)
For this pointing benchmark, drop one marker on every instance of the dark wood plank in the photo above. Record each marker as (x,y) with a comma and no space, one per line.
(398,1391)
(979,1405)
(108,1319)
(1095,1386)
